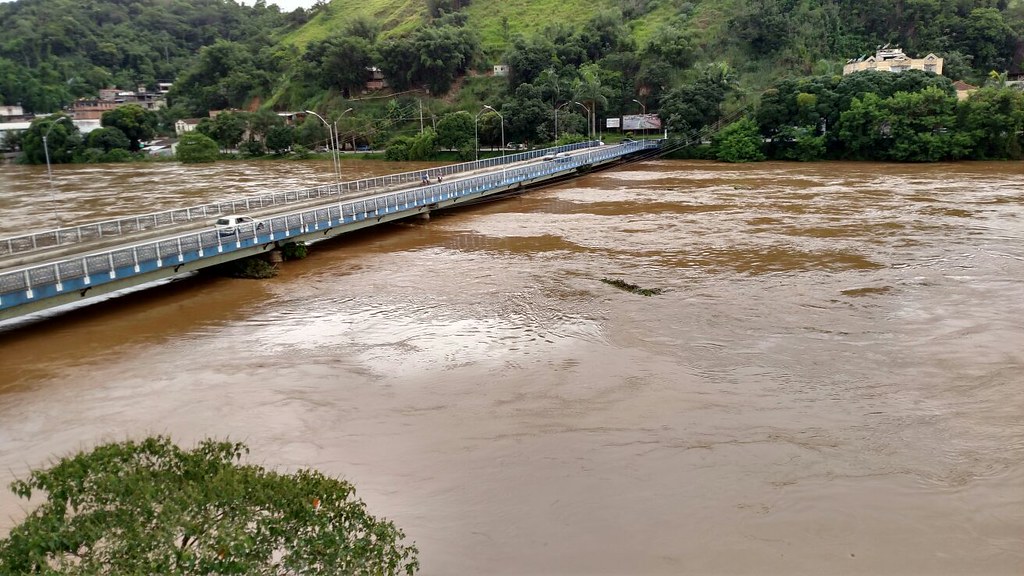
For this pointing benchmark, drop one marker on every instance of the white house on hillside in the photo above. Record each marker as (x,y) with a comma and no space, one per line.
(186,125)
(888,59)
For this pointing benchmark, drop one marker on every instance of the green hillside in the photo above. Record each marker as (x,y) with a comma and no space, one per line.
(395,17)
(572,65)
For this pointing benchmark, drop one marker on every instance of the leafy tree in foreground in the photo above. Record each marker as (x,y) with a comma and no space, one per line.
(151,507)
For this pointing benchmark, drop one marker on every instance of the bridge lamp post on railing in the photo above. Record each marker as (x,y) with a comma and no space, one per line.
(563,105)
(476,128)
(590,127)
(330,139)
(476,133)
(337,143)
(502,118)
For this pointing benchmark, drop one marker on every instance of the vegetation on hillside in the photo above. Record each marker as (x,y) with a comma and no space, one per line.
(54,51)
(571,64)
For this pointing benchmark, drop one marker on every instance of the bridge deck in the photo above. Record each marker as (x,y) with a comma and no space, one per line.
(52,268)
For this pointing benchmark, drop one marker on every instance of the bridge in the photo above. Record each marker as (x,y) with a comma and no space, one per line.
(46,269)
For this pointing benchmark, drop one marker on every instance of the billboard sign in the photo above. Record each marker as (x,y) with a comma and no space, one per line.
(611,123)
(641,122)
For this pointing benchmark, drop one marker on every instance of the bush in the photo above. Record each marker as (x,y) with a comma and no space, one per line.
(398,149)
(118,155)
(253,148)
(301,152)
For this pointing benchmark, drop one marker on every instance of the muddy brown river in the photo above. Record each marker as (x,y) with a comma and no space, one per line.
(832,381)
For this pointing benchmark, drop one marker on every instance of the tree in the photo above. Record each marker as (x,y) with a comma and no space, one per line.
(107,139)
(993,119)
(341,62)
(227,128)
(195,147)
(398,148)
(261,122)
(863,128)
(62,138)
(527,117)
(690,107)
(455,130)
(988,38)
(589,90)
(311,133)
(151,507)
(280,138)
(423,146)
(137,123)
(923,126)
(739,142)
(225,75)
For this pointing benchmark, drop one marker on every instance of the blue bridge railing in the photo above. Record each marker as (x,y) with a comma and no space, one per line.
(82,272)
(59,237)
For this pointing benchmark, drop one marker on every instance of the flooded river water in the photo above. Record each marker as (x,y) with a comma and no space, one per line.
(832,381)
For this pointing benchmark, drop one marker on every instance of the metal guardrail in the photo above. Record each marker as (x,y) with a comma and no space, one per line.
(59,237)
(78,273)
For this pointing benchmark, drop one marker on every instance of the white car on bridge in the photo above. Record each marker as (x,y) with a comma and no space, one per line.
(229,224)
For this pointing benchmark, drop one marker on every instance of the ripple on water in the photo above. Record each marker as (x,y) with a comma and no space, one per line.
(420,323)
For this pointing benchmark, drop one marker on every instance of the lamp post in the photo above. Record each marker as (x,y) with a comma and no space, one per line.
(502,118)
(330,139)
(644,120)
(560,106)
(476,133)
(590,126)
(337,144)
(49,172)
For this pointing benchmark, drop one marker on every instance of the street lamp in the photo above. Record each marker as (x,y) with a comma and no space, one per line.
(476,133)
(590,126)
(502,132)
(562,105)
(49,172)
(644,119)
(330,138)
(337,143)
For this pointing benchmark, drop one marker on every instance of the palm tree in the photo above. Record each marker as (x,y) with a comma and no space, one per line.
(588,90)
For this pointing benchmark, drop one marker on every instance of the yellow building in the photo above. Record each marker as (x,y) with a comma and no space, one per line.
(888,59)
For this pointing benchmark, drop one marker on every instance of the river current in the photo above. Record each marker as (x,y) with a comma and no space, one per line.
(829,383)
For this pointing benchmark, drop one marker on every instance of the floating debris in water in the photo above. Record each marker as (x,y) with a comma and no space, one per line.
(623,285)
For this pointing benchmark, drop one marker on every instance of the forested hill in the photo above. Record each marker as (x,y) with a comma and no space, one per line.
(53,51)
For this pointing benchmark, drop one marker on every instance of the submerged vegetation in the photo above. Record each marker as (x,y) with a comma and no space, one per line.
(623,285)
(253,267)
(294,251)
